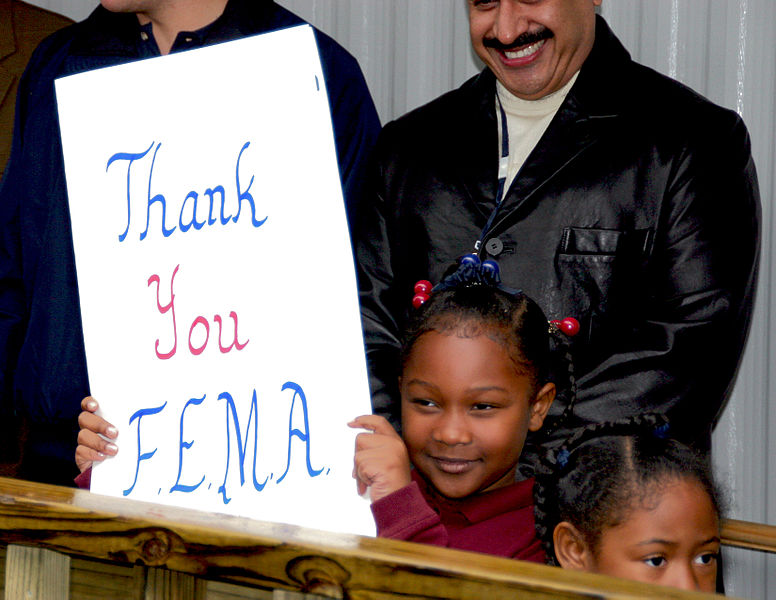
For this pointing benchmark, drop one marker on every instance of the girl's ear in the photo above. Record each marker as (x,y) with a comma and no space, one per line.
(571,550)
(540,406)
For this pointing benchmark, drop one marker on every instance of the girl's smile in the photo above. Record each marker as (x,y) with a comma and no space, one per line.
(466,410)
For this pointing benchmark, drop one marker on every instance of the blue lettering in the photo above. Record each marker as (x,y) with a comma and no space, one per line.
(131,157)
(304,436)
(178,487)
(246,194)
(142,455)
(210,193)
(216,195)
(158,198)
(241,450)
(193,223)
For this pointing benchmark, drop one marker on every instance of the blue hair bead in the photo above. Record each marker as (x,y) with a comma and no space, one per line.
(661,432)
(470,259)
(490,266)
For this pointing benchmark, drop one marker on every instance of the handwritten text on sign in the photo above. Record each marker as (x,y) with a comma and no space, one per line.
(217,289)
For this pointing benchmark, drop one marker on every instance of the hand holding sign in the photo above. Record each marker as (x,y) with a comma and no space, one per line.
(381,462)
(94,443)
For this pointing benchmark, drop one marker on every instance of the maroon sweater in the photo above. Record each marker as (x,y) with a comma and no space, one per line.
(499,522)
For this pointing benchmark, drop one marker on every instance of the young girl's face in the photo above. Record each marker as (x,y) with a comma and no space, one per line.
(674,542)
(466,410)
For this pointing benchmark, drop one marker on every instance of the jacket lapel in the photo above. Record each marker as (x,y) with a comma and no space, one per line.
(477,161)
(7,47)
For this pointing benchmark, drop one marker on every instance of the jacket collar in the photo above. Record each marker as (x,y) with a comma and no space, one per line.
(479,140)
(589,110)
(598,91)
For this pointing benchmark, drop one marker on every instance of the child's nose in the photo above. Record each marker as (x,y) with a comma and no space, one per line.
(684,578)
(452,430)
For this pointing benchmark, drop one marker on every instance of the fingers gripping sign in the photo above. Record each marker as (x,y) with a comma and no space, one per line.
(381,463)
(95,438)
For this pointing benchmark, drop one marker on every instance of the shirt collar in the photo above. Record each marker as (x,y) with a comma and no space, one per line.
(109,37)
(484,506)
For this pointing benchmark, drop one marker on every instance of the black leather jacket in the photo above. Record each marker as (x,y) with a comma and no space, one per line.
(637,213)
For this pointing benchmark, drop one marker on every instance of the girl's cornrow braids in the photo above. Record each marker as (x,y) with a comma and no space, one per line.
(552,466)
(570,392)
(545,510)
(655,423)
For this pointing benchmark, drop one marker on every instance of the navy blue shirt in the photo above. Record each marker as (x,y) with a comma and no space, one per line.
(42,361)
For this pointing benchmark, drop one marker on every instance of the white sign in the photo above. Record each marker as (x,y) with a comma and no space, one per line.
(217,288)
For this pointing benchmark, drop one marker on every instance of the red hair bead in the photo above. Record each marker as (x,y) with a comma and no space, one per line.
(569,326)
(423,287)
(419,299)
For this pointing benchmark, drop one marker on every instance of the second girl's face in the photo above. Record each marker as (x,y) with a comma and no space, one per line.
(674,542)
(466,410)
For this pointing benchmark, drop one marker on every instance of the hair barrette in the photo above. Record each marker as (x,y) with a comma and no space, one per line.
(471,272)
(563,458)
(661,432)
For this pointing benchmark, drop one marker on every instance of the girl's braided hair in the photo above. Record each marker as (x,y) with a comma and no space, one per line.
(470,303)
(605,470)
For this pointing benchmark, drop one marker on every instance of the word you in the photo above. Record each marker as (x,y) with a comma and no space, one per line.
(189,209)
(232,424)
(200,321)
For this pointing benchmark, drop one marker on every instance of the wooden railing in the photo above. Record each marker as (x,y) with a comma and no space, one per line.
(752,536)
(60,543)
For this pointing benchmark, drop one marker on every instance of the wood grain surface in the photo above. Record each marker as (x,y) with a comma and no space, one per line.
(134,537)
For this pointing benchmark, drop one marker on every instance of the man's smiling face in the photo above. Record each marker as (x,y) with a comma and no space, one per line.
(534,47)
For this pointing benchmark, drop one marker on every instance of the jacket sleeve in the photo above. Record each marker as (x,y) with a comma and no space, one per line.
(379,282)
(354,119)
(84,480)
(687,335)
(12,298)
(405,515)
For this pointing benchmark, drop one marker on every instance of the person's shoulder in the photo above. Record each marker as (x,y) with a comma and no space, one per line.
(84,39)
(50,52)
(449,112)
(669,99)
(341,68)
(59,42)
(679,117)
(648,100)
(272,16)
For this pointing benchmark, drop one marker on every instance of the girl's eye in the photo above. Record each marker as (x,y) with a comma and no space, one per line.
(707,558)
(423,403)
(655,561)
(483,406)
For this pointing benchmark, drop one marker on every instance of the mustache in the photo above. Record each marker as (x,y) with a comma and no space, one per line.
(524,39)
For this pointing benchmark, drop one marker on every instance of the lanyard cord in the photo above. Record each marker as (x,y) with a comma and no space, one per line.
(503,167)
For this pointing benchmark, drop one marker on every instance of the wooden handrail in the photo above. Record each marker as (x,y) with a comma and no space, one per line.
(280,557)
(745,534)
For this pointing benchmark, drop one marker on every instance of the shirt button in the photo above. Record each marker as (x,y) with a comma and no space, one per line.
(144,36)
(494,246)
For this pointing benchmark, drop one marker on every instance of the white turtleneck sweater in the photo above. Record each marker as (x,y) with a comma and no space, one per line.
(527,121)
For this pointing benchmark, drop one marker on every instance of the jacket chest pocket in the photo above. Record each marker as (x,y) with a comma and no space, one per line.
(600,274)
